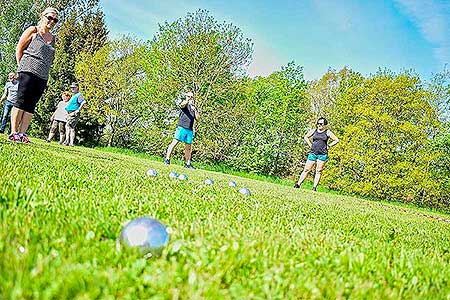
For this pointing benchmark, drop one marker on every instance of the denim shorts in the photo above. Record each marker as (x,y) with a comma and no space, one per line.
(315,157)
(184,135)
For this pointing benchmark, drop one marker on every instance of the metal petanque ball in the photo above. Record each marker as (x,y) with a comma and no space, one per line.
(232,184)
(173,174)
(182,177)
(152,173)
(146,234)
(244,191)
(209,181)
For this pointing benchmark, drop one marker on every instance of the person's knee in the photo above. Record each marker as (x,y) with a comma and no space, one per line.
(308,169)
(319,171)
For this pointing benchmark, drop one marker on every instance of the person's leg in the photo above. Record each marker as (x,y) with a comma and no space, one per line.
(71,136)
(16,118)
(52,130)
(62,131)
(319,169)
(189,136)
(170,149)
(66,140)
(6,110)
(308,167)
(25,122)
(187,153)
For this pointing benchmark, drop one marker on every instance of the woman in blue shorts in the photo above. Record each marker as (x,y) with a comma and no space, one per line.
(185,129)
(319,151)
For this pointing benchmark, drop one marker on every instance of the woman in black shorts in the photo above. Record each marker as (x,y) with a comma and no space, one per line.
(35,53)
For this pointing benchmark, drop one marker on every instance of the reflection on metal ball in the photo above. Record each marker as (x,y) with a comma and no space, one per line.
(173,174)
(146,234)
(244,191)
(152,173)
(232,184)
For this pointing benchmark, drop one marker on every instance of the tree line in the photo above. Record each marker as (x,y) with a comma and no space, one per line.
(393,127)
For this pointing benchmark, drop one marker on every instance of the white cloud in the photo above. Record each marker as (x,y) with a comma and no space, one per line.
(265,61)
(432,18)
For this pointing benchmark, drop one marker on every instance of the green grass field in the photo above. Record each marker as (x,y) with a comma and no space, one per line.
(62,209)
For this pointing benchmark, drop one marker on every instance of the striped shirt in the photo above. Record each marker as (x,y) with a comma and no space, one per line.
(38,57)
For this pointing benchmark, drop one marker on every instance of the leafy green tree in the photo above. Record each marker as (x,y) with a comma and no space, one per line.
(15,16)
(440,87)
(193,53)
(385,124)
(201,53)
(110,78)
(278,108)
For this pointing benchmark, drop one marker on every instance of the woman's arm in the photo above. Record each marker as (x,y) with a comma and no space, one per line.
(308,136)
(334,139)
(24,40)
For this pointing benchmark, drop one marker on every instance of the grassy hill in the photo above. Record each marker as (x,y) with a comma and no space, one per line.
(62,209)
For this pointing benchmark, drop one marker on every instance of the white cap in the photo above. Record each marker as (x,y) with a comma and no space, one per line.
(50,10)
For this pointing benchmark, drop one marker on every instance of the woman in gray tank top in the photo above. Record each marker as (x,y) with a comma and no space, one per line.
(35,53)
(319,151)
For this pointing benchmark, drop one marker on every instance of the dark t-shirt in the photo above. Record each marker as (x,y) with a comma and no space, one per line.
(319,144)
(187,117)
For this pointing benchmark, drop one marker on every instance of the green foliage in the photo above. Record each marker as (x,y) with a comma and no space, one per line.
(199,53)
(194,53)
(15,16)
(110,78)
(440,88)
(61,210)
(385,123)
(270,137)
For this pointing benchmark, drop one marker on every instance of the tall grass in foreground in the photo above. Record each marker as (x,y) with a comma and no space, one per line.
(61,210)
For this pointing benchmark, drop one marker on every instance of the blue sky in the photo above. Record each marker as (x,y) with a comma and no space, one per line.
(316,34)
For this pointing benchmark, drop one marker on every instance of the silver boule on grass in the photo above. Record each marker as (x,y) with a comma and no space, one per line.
(173,174)
(209,181)
(244,191)
(151,173)
(147,235)
(182,177)
(232,184)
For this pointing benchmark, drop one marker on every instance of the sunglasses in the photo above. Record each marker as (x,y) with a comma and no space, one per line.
(322,124)
(50,19)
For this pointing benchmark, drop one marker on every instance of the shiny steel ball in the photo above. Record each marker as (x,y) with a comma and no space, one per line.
(244,191)
(232,184)
(209,181)
(152,173)
(146,234)
(182,177)
(173,174)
